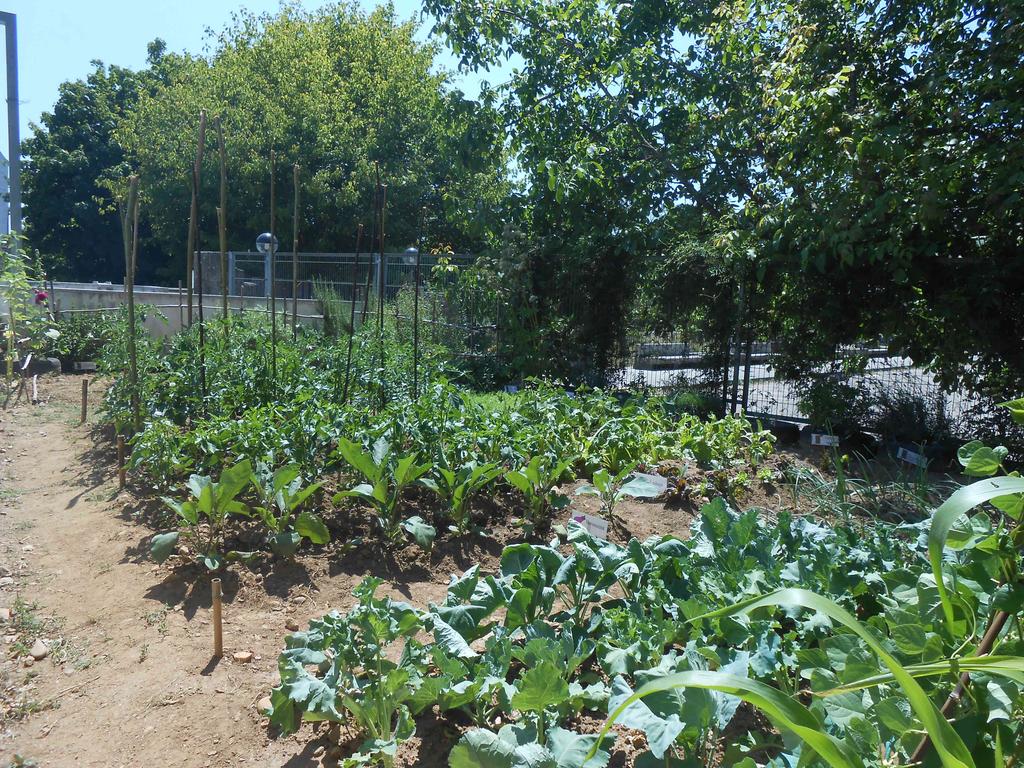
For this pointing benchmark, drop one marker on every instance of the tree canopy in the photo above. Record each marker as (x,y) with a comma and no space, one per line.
(858,164)
(336,91)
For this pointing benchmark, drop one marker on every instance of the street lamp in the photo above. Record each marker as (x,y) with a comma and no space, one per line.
(266,243)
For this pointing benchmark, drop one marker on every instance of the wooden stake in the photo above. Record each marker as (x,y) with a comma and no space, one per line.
(352,310)
(222,221)
(295,251)
(193,220)
(218,631)
(85,399)
(273,281)
(35,390)
(120,463)
(131,247)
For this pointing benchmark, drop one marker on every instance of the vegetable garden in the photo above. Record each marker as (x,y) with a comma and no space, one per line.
(765,638)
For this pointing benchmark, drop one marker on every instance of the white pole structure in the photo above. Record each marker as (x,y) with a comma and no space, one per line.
(10,22)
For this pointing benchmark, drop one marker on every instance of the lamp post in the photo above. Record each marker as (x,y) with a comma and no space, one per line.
(267,245)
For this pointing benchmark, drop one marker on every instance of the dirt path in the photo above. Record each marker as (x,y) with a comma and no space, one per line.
(129,679)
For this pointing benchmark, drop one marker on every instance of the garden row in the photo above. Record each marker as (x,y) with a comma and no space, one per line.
(846,639)
(261,448)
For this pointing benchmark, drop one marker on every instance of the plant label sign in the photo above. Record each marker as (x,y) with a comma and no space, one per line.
(827,441)
(81,367)
(912,457)
(592,524)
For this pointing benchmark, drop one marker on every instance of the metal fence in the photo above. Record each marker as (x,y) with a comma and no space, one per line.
(249,273)
(744,376)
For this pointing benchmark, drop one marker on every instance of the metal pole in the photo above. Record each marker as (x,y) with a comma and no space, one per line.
(10,22)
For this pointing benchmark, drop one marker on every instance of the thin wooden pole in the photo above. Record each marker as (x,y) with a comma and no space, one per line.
(222,223)
(352,312)
(85,399)
(218,630)
(295,251)
(416,314)
(181,317)
(193,222)
(273,280)
(369,266)
(121,471)
(131,244)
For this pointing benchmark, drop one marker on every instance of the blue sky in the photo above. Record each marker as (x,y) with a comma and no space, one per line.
(58,38)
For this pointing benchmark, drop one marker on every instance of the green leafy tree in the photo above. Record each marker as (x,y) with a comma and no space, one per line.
(854,166)
(72,156)
(336,91)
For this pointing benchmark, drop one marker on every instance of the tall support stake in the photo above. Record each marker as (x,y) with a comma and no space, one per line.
(416,313)
(130,232)
(222,220)
(382,283)
(193,219)
(352,312)
(295,251)
(369,266)
(273,280)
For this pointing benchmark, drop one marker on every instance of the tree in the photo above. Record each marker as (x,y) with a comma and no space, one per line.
(857,163)
(335,91)
(71,157)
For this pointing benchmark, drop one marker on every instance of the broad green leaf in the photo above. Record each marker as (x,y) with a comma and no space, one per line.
(1016,408)
(572,750)
(312,527)
(540,687)
(163,545)
(984,462)
(643,487)
(421,531)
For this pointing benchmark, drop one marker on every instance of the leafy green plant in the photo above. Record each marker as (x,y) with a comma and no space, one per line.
(283,492)
(204,516)
(611,489)
(538,482)
(356,682)
(387,476)
(457,487)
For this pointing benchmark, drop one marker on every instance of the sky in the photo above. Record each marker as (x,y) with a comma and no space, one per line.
(57,40)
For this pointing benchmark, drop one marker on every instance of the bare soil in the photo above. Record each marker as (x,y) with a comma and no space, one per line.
(130,678)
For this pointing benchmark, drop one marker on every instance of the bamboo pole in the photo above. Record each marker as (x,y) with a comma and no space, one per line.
(85,399)
(222,223)
(416,313)
(273,280)
(121,471)
(193,221)
(352,312)
(218,630)
(295,251)
(130,231)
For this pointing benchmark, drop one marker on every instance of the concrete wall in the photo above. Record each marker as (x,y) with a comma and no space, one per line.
(75,297)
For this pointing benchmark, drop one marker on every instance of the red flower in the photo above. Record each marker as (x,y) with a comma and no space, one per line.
(40,297)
